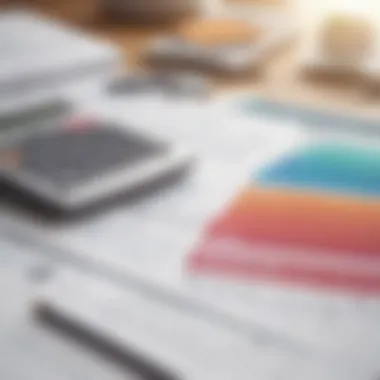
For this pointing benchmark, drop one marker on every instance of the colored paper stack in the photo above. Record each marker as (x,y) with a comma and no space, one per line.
(312,217)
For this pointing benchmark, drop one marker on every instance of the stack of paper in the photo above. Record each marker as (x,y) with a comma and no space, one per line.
(38,55)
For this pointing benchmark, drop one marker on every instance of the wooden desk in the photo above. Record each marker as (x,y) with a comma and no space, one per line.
(281,80)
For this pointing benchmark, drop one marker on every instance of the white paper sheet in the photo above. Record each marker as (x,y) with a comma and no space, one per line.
(151,240)
(27,350)
(185,343)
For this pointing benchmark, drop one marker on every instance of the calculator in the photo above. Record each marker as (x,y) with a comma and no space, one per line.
(81,162)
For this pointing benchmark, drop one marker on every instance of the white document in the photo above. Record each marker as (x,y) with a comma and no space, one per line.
(27,350)
(151,240)
(183,343)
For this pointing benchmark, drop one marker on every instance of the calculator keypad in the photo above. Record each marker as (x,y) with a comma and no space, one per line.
(73,156)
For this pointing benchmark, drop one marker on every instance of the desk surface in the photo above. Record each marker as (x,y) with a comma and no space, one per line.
(281,80)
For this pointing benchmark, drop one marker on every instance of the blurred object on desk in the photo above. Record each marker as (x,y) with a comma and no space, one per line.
(134,11)
(340,44)
(222,45)
(78,164)
(39,55)
(169,84)
(211,33)
(145,11)
(346,38)
(282,80)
